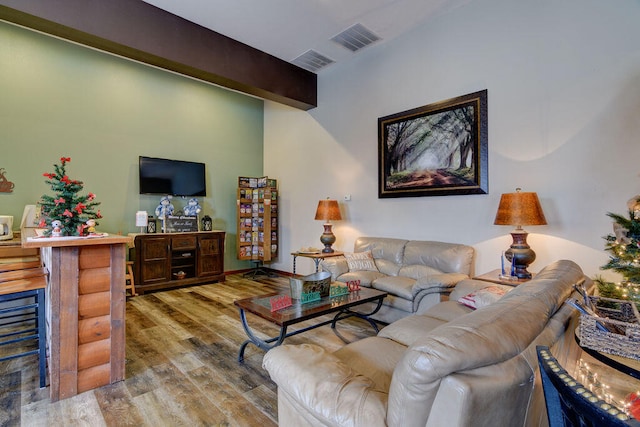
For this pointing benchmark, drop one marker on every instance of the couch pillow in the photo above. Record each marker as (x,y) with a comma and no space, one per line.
(361,261)
(485,296)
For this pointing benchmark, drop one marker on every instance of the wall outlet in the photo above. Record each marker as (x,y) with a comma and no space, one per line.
(347,197)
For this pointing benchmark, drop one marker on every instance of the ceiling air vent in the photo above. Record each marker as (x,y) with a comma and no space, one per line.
(312,61)
(355,37)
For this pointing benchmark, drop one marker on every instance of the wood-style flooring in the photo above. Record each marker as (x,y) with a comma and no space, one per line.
(181,366)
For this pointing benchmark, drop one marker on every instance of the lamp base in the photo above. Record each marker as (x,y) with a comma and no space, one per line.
(520,255)
(327,239)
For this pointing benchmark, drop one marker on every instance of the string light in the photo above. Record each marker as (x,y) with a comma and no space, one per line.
(592,381)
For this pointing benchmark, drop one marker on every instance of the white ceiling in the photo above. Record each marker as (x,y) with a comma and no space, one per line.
(288,28)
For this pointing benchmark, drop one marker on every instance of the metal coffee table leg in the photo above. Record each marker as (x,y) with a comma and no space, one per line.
(364,316)
(260,343)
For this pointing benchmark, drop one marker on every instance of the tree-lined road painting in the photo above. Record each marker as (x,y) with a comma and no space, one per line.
(432,150)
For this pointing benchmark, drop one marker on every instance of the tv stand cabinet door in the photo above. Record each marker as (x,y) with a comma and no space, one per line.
(154,259)
(211,254)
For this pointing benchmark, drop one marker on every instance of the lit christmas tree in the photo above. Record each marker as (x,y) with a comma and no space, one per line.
(624,247)
(67,206)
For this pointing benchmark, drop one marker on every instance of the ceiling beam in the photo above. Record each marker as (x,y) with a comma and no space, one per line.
(137,30)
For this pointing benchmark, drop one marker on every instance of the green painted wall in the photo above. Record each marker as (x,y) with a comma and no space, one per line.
(60,99)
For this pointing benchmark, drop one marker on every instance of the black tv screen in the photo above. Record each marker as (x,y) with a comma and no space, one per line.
(172,177)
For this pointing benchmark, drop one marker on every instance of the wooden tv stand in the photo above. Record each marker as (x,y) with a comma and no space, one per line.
(159,258)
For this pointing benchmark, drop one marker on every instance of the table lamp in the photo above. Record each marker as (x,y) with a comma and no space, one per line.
(328,210)
(520,209)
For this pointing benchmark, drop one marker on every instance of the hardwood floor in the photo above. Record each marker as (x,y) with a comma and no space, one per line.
(181,366)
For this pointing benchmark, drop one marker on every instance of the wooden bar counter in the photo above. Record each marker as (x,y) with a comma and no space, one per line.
(85,310)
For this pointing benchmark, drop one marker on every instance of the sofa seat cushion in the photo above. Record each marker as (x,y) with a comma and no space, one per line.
(366,277)
(408,329)
(395,285)
(447,311)
(374,358)
(416,271)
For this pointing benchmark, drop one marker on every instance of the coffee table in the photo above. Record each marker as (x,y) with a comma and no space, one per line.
(297,313)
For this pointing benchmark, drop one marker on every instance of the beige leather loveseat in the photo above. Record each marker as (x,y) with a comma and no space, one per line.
(451,366)
(416,274)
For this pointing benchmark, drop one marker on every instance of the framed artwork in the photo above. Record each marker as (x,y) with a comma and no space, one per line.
(436,150)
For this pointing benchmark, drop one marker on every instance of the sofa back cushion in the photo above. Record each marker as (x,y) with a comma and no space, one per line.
(387,252)
(481,338)
(445,257)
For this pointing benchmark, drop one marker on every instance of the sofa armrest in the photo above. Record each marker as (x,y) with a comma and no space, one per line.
(336,265)
(437,283)
(329,389)
(468,398)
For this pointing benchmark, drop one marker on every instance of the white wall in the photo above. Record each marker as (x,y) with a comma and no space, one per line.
(563,81)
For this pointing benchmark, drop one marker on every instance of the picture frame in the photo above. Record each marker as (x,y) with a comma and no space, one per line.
(439,149)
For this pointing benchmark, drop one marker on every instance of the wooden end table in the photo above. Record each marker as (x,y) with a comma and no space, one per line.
(341,305)
(315,256)
(494,277)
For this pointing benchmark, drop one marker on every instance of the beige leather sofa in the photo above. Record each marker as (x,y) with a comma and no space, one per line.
(416,274)
(451,366)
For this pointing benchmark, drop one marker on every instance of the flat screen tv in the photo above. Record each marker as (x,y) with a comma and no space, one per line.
(172,177)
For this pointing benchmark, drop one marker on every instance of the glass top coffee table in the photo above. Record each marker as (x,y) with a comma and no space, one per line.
(341,305)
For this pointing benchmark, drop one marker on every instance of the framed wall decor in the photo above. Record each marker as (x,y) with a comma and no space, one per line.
(181,224)
(435,150)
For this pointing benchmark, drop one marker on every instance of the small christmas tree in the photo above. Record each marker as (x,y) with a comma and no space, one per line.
(624,247)
(67,206)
